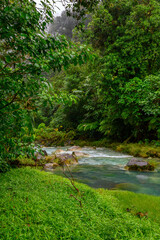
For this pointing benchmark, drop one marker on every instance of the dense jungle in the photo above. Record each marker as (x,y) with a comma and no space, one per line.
(88,78)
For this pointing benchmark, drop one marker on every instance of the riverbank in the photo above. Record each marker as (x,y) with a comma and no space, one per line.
(40,205)
(49,137)
(135,149)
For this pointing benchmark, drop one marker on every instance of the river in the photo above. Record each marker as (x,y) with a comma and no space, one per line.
(104,168)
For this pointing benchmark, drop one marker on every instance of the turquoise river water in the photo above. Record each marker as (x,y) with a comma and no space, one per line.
(104,168)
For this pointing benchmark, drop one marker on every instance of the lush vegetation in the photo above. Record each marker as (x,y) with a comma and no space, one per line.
(99,84)
(45,78)
(117,93)
(39,205)
(27,53)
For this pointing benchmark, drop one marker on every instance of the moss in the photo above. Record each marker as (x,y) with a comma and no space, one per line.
(50,158)
(138,150)
(25,161)
(149,167)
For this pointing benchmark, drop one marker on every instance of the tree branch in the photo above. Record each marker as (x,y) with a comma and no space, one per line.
(14,97)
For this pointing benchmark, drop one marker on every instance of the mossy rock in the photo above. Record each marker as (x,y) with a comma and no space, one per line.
(75,148)
(66,159)
(50,158)
(59,151)
(80,154)
(139,165)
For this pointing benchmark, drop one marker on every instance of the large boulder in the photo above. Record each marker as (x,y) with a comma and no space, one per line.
(139,165)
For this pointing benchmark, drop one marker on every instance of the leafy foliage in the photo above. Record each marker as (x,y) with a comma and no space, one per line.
(116,94)
(49,136)
(119,92)
(27,52)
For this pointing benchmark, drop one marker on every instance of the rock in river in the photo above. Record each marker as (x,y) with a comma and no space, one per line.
(60,159)
(139,165)
(59,151)
(66,159)
(75,148)
(80,154)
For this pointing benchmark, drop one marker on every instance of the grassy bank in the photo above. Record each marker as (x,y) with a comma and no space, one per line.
(136,203)
(39,205)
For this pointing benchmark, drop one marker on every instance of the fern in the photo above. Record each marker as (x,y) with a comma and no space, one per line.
(88,126)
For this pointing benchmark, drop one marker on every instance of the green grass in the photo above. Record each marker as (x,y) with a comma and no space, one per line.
(136,203)
(37,205)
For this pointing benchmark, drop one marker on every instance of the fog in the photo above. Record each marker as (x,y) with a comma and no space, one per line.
(58,7)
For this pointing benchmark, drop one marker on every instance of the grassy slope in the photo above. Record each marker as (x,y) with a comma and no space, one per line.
(136,203)
(37,205)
